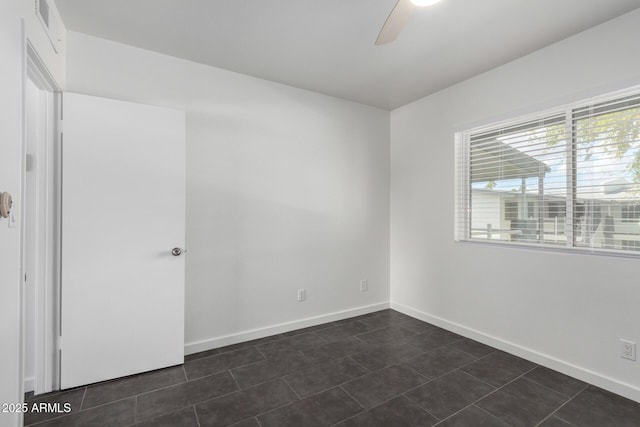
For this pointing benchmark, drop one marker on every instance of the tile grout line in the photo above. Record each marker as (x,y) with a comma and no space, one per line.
(242,421)
(354,399)
(404,340)
(272,410)
(563,405)
(248,387)
(192,357)
(261,353)
(417,387)
(272,379)
(144,393)
(196,414)
(550,389)
(222,370)
(225,354)
(342,356)
(135,410)
(319,336)
(84,410)
(487,412)
(459,368)
(83,396)
(563,420)
(243,390)
(187,406)
(350,357)
(154,418)
(472,355)
(401,360)
(306,358)
(348,418)
(359,339)
(184,372)
(193,403)
(403,396)
(281,337)
(524,377)
(477,357)
(133,395)
(339,385)
(373,346)
(234,379)
(504,385)
(314,394)
(488,394)
(290,387)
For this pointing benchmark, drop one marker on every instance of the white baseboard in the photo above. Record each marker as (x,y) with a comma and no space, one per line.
(204,345)
(29,384)
(615,386)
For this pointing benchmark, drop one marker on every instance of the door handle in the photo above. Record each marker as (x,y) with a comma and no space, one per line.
(177,251)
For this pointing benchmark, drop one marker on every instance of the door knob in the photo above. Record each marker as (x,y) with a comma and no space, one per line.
(176,251)
(5,204)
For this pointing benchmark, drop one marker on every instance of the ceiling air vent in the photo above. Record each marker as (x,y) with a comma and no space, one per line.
(43,12)
(49,18)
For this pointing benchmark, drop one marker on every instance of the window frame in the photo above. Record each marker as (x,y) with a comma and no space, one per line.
(572,111)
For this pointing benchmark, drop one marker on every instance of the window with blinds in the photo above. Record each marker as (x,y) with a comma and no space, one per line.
(568,178)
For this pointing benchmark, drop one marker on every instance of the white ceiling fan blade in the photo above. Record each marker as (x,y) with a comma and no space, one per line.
(395,22)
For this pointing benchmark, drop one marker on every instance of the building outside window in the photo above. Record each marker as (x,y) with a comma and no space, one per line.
(565,178)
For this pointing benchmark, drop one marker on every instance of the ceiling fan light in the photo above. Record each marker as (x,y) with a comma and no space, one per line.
(424,2)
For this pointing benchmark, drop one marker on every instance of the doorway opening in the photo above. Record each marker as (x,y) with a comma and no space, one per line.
(41,228)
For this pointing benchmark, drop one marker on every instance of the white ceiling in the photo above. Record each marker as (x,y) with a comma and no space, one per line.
(327,46)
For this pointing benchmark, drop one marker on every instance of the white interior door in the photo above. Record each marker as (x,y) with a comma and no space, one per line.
(123,211)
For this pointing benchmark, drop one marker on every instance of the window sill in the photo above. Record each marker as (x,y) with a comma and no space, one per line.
(551,249)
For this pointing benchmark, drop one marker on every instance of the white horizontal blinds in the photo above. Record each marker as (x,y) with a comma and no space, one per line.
(461,231)
(517,186)
(570,178)
(606,136)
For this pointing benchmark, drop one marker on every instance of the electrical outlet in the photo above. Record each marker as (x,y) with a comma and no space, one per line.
(302,294)
(364,285)
(627,349)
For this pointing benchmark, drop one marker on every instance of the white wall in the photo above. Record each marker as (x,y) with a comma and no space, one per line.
(286,189)
(18,24)
(564,310)
(10,163)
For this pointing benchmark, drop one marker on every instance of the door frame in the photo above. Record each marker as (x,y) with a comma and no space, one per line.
(47,287)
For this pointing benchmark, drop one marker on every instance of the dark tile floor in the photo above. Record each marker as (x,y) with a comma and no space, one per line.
(381,369)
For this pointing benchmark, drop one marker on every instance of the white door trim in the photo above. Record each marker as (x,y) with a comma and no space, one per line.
(46,373)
